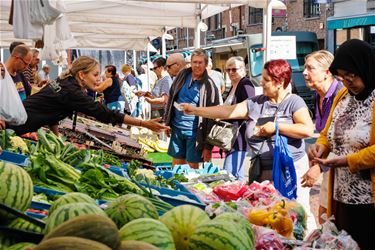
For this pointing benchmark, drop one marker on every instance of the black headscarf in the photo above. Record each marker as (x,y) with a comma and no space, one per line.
(357,57)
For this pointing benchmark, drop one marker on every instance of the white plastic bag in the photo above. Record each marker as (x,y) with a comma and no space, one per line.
(11,107)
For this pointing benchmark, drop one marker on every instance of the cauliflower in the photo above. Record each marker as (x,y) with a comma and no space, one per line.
(18,144)
(146,172)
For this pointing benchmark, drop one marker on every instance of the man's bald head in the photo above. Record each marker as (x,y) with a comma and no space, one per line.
(22,57)
(175,63)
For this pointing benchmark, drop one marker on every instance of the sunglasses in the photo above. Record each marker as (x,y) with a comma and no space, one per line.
(232,69)
(170,65)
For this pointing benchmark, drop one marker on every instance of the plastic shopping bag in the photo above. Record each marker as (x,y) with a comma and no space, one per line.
(283,171)
(11,107)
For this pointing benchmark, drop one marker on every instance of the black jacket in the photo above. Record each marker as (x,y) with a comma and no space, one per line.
(50,105)
(209,96)
(245,90)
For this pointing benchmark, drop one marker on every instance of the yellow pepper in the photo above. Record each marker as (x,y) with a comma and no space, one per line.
(283,224)
(259,217)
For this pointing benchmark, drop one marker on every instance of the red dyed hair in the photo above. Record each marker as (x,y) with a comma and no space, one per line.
(279,70)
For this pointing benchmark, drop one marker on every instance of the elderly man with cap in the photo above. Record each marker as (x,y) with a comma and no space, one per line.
(44,73)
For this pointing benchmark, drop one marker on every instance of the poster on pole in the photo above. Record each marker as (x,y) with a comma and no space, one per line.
(283,47)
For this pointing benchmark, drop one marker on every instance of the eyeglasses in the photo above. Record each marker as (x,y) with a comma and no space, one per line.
(155,68)
(232,69)
(170,65)
(347,77)
(23,60)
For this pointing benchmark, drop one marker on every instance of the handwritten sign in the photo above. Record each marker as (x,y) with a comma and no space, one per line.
(283,47)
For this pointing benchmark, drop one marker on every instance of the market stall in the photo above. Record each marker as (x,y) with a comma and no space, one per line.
(53,189)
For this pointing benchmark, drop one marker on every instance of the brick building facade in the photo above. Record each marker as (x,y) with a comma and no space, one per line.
(301,15)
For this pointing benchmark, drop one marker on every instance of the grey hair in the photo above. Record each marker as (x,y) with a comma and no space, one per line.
(239,62)
(324,58)
(200,52)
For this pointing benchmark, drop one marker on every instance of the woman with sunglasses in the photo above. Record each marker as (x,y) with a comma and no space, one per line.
(260,112)
(241,90)
(158,97)
(349,135)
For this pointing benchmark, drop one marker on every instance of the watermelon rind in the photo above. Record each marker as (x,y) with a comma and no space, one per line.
(150,231)
(182,221)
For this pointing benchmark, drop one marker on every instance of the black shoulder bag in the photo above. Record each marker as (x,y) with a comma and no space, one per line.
(223,135)
(255,170)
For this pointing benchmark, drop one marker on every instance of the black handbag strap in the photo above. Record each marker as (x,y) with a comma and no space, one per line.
(277,109)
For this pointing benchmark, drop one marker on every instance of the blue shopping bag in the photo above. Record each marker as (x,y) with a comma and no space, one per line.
(283,171)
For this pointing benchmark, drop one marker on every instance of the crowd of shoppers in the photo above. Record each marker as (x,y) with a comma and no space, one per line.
(188,97)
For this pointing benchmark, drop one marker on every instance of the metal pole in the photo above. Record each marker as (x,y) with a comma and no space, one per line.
(146,105)
(134,60)
(264,36)
(268,31)
(198,19)
(125,56)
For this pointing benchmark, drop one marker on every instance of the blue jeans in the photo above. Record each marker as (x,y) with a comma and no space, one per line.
(234,164)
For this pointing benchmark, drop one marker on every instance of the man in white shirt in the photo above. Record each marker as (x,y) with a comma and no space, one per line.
(44,73)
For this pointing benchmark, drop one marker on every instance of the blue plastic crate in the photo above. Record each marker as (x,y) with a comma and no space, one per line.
(40,205)
(163,166)
(208,168)
(36,215)
(47,191)
(18,159)
(119,171)
(51,192)
(175,201)
(169,196)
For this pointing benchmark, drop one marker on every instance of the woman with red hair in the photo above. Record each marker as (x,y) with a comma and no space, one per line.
(276,102)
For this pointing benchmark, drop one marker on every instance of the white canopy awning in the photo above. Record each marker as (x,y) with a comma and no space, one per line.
(124,24)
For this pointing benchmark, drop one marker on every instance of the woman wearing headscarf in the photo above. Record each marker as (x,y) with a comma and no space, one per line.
(349,135)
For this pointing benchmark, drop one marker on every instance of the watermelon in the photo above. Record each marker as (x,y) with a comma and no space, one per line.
(219,235)
(182,221)
(74,197)
(65,243)
(69,211)
(130,207)
(241,221)
(7,240)
(25,225)
(136,245)
(150,231)
(22,246)
(91,226)
(16,189)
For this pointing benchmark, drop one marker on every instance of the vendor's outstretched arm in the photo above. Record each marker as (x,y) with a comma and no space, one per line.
(237,111)
(152,124)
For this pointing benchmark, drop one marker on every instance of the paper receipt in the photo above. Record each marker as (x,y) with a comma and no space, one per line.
(177,106)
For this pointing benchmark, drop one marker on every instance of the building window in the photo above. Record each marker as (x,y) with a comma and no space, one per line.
(311,8)
(255,15)
(208,23)
(217,21)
